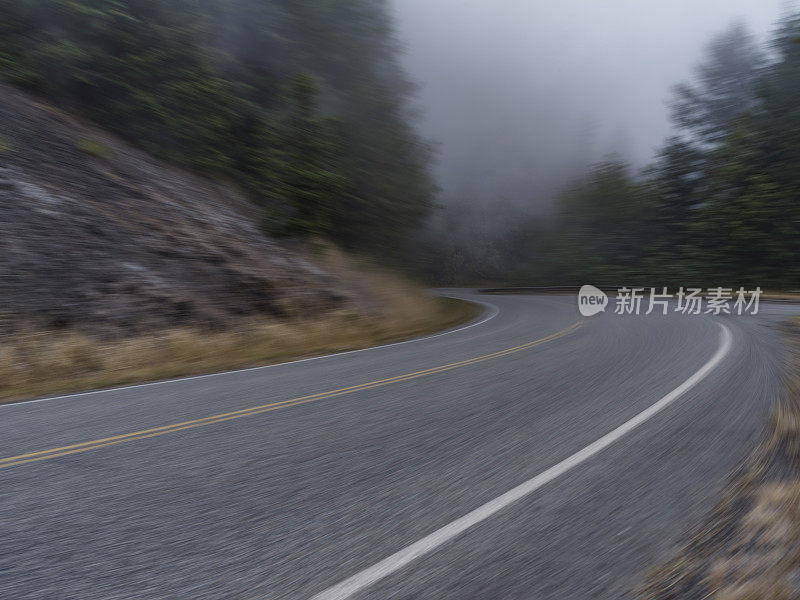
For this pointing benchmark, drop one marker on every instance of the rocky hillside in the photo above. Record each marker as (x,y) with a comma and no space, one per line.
(98,236)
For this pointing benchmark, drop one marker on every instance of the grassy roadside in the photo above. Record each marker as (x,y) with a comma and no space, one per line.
(749,548)
(37,363)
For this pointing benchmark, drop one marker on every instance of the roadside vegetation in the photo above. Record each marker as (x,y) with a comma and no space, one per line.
(749,549)
(36,362)
(94,148)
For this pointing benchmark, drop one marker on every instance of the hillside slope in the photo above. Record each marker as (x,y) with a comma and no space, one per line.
(98,236)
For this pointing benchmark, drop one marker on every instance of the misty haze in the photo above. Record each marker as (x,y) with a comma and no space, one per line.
(399,299)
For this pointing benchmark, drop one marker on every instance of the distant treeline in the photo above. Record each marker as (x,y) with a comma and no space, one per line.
(720,205)
(301,102)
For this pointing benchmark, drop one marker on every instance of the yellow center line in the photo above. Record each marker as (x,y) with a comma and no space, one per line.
(255,410)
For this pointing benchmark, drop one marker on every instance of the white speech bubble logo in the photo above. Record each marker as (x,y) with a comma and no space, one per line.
(591,300)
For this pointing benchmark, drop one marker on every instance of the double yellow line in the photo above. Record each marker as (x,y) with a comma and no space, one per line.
(20,459)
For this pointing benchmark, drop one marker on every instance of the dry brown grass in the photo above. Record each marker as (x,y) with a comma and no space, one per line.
(765,558)
(36,363)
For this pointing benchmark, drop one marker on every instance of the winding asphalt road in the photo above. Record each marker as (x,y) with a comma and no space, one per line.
(534,454)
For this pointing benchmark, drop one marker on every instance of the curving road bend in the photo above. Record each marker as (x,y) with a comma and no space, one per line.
(386,473)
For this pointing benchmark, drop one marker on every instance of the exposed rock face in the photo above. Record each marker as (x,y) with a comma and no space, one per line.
(112,241)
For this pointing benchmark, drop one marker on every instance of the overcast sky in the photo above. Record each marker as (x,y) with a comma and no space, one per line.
(519,93)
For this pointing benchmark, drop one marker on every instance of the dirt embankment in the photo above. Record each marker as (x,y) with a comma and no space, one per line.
(117,268)
(98,236)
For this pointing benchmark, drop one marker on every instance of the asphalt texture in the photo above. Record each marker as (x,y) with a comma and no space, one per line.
(288,502)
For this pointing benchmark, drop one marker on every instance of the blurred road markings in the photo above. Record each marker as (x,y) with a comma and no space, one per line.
(255,410)
(400,559)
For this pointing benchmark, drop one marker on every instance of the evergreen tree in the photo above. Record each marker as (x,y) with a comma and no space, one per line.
(724,87)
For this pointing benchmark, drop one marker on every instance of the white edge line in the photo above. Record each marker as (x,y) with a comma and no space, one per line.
(493,312)
(400,559)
